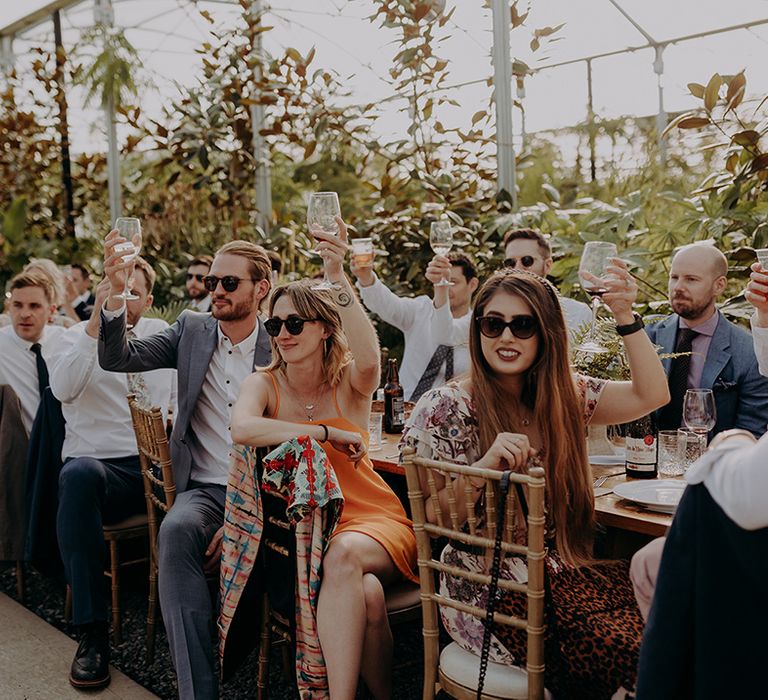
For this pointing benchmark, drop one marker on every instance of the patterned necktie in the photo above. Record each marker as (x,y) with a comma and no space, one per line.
(137,385)
(42,368)
(444,353)
(671,415)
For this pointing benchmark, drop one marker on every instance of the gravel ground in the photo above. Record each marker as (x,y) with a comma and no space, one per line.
(45,597)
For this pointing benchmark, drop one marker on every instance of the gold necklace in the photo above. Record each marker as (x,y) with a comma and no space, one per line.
(309,408)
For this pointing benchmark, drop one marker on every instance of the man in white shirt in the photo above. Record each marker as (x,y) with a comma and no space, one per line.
(199,298)
(428,361)
(27,345)
(526,249)
(214,353)
(100,481)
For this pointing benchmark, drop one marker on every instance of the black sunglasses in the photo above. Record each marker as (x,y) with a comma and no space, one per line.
(293,324)
(525,261)
(199,278)
(522,327)
(229,282)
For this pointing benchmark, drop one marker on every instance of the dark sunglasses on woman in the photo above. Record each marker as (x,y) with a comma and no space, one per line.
(293,324)
(522,327)
(526,261)
(229,282)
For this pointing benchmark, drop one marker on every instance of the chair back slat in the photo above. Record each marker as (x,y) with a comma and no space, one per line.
(478,530)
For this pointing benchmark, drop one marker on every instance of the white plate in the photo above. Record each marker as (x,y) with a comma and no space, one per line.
(607,460)
(661,495)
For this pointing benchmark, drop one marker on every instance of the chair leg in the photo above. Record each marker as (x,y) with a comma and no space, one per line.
(21,587)
(68,604)
(265,644)
(114,562)
(151,612)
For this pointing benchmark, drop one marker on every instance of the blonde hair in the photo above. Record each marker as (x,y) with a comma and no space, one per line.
(49,269)
(310,303)
(34,277)
(261,267)
(550,394)
(149,274)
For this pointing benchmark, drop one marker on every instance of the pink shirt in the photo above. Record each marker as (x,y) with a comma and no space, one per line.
(699,348)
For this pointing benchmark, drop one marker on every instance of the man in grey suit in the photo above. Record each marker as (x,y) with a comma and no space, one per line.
(213,354)
(720,355)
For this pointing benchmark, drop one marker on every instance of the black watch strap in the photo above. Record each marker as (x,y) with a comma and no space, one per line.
(629,328)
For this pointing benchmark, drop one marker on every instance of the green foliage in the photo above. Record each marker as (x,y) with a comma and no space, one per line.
(169,313)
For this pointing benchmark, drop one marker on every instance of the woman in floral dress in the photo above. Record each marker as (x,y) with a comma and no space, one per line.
(521,405)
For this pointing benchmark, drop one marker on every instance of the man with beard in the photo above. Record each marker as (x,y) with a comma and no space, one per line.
(100,481)
(717,354)
(198,268)
(213,353)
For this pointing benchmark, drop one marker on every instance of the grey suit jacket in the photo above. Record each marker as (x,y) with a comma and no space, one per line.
(186,346)
(730,370)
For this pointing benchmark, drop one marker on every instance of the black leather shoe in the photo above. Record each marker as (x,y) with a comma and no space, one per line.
(90,667)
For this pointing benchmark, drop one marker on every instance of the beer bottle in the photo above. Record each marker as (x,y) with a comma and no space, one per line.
(642,448)
(394,409)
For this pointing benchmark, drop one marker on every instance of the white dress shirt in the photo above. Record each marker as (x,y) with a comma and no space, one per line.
(18,367)
(415,318)
(203,304)
(93,400)
(210,442)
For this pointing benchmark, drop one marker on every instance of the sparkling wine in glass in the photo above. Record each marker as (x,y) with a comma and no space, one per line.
(441,242)
(130,229)
(321,216)
(699,411)
(595,259)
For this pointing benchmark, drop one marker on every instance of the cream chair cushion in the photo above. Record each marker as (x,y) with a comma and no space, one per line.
(462,667)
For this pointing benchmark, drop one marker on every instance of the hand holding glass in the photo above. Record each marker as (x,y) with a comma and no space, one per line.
(321,217)
(699,412)
(595,259)
(130,229)
(441,241)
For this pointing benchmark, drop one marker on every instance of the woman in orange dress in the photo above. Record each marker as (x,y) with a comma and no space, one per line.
(325,369)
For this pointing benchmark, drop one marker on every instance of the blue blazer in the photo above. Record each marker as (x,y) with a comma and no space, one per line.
(730,370)
(187,346)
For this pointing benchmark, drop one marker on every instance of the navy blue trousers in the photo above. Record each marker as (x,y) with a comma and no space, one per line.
(93,493)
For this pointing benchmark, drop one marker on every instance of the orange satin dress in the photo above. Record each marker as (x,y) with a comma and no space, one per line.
(370,506)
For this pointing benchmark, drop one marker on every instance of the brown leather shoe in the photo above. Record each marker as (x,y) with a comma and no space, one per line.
(90,667)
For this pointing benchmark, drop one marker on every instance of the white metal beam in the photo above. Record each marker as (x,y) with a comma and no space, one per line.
(502,90)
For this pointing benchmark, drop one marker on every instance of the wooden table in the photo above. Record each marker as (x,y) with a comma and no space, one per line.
(611,511)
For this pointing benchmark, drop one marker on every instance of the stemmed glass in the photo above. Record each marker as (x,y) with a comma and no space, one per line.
(595,258)
(130,229)
(699,411)
(441,241)
(321,216)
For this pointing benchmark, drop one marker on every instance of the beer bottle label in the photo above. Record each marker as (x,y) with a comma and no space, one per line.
(398,411)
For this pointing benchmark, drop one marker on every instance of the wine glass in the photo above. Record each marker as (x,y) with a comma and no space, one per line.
(321,216)
(699,411)
(441,241)
(130,229)
(595,258)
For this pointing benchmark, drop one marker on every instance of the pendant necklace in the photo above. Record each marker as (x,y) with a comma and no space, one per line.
(309,407)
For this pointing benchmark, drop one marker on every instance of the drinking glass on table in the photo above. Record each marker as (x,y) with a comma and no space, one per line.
(441,241)
(595,260)
(690,446)
(699,412)
(670,462)
(321,216)
(130,229)
(374,431)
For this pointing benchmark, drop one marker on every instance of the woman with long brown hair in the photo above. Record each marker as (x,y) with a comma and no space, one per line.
(521,404)
(325,369)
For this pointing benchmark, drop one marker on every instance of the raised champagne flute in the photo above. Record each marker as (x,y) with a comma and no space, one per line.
(321,217)
(441,242)
(699,411)
(595,259)
(130,229)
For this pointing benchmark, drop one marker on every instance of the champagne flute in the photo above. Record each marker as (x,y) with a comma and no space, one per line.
(699,411)
(321,216)
(130,229)
(595,258)
(441,241)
